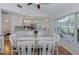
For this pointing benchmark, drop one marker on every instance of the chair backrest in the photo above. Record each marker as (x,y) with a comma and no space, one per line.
(49,45)
(13,38)
(41,44)
(56,37)
(28,45)
(41,33)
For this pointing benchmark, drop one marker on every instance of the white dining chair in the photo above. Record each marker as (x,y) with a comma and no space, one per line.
(18,50)
(44,49)
(40,49)
(29,45)
(11,40)
(48,47)
(23,50)
(51,48)
(29,50)
(56,37)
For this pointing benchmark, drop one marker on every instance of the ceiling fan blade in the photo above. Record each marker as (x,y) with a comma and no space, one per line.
(29,3)
(38,6)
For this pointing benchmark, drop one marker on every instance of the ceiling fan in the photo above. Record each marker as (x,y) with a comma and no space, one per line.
(37,4)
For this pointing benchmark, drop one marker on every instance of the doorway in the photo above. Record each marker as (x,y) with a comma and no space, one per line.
(6,23)
(6,28)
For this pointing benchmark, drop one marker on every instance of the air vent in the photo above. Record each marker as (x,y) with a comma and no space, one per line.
(4,12)
(19,6)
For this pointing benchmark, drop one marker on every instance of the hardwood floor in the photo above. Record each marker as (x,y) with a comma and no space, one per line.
(7,48)
(63,51)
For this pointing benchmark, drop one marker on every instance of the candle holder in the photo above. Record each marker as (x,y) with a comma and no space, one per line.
(35,33)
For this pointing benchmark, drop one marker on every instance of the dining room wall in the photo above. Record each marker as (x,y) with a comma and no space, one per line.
(15,21)
(0,33)
(1,37)
(6,23)
(0,22)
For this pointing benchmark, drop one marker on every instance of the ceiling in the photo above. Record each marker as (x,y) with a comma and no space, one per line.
(46,9)
(50,8)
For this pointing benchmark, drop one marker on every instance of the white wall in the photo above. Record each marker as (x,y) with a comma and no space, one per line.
(1,37)
(0,32)
(6,23)
(51,24)
(0,22)
(15,21)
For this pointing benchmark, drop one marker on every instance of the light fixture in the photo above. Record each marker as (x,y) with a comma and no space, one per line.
(6,20)
(24,21)
(35,21)
(37,3)
(29,20)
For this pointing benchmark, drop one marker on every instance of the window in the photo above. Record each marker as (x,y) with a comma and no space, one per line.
(63,25)
(77,20)
(71,24)
(78,27)
(66,25)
